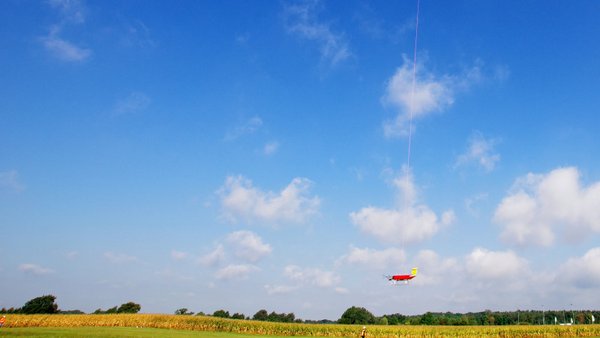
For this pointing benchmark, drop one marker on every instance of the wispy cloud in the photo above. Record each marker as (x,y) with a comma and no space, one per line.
(248,127)
(9,180)
(236,271)
(377,259)
(178,255)
(301,19)
(431,94)
(137,34)
(214,257)
(293,204)
(479,151)
(271,148)
(408,222)
(280,289)
(71,10)
(119,258)
(35,269)
(539,205)
(134,103)
(63,49)
(72,13)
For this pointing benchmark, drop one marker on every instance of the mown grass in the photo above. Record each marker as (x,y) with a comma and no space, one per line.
(137,323)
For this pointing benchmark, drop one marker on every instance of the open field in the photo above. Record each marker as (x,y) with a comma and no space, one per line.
(143,325)
(121,332)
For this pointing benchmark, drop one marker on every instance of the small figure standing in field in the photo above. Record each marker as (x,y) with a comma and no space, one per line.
(2,320)
(363,333)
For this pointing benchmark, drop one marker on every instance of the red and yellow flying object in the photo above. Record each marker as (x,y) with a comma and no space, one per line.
(395,279)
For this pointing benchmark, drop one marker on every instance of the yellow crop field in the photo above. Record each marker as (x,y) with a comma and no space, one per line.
(200,323)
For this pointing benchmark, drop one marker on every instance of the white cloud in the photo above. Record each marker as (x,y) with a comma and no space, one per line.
(236,271)
(178,255)
(246,128)
(63,49)
(434,269)
(119,257)
(280,289)
(271,148)
(495,265)
(312,276)
(583,272)
(239,199)
(376,259)
(137,34)
(301,19)
(35,269)
(214,257)
(480,151)
(541,204)
(248,245)
(71,10)
(471,202)
(406,223)
(135,102)
(431,94)
(10,180)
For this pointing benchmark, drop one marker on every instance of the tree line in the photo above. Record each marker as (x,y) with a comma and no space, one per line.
(46,305)
(354,315)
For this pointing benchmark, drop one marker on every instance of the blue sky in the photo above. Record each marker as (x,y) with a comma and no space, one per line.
(253,155)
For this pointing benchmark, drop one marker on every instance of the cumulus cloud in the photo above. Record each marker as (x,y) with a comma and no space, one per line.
(480,151)
(312,276)
(434,269)
(301,19)
(431,94)
(240,199)
(377,259)
(583,272)
(247,127)
(539,205)
(408,222)
(10,180)
(248,245)
(35,269)
(495,265)
(236,271)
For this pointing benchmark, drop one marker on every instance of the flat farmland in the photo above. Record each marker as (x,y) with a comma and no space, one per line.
(154,325)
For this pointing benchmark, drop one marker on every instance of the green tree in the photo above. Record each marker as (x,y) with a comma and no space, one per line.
(357,315)
(129,307)
(183,311)
(427,318)
(238,316)
(261,315)
(43,304)
(221,314)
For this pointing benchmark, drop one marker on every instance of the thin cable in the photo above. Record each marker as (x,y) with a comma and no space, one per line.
(412,93)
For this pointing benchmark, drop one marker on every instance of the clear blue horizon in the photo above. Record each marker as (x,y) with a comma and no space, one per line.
(253,155)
